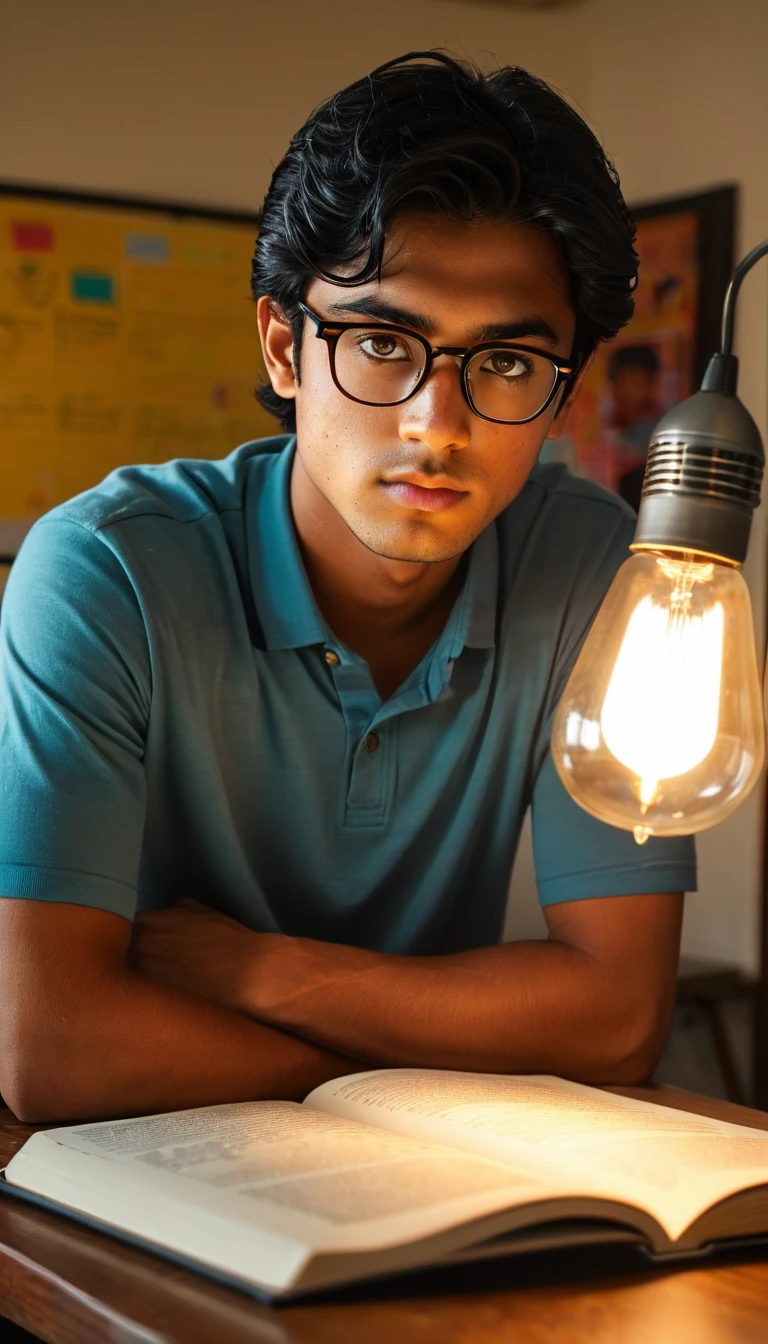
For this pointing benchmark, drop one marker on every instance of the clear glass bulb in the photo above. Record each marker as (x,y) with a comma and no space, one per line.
(660,727)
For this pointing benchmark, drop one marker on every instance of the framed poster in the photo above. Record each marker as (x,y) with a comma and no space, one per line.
(127,334)
(686,257)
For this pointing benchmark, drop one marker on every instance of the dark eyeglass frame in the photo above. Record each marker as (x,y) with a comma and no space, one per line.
(330,332)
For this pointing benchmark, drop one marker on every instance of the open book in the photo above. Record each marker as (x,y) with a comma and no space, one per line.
(388,1170)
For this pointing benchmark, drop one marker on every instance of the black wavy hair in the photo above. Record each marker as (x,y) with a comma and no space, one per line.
(431,132)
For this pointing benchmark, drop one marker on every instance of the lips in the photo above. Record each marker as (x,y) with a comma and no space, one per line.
(433,499)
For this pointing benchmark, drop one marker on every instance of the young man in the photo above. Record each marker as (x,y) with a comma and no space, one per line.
(298,700)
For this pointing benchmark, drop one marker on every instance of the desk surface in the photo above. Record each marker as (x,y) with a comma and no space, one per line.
(70,1285)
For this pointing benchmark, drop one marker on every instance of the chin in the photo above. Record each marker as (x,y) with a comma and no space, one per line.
(417,545)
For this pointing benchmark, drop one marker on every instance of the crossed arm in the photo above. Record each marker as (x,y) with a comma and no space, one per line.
(192,1008)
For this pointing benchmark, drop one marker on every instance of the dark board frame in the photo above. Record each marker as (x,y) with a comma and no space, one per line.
(118,201)
(717,217)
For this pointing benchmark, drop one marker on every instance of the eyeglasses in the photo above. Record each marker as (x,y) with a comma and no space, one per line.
(383,365)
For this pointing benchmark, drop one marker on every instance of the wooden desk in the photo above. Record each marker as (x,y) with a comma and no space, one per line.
(72,1286)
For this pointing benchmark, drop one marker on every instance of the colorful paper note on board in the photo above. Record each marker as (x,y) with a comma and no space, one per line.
(88,287)
(147,247)
(32,236)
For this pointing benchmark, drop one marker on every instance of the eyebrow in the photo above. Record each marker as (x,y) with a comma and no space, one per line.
(384,312)
(370,306)
(514,331)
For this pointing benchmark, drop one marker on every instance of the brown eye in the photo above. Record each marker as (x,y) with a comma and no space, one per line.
(384,345)
(506,364)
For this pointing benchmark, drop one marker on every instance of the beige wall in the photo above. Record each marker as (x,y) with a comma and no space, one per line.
(194,100)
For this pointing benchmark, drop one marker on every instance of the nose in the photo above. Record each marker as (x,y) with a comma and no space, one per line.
(438,416)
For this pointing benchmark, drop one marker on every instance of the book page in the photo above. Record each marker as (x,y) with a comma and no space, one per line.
(321,1181)
(673,1164)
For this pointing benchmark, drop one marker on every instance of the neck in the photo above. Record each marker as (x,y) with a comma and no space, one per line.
(364,597)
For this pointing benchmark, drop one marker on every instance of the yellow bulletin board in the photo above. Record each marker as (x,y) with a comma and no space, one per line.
(127,334)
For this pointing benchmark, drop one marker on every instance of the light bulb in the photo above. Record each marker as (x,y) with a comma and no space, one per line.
(660,729)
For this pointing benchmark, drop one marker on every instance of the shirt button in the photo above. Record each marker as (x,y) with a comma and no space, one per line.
(372,742)
(332,658)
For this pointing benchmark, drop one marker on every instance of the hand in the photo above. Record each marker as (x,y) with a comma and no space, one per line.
(278,980)
(200,951)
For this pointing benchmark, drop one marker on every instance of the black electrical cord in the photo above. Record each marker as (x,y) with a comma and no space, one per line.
(729,307)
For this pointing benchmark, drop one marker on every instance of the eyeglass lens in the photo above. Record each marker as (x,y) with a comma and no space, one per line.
(383,367)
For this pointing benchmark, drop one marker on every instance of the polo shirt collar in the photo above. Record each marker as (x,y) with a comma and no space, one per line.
(475,608)
(285,604)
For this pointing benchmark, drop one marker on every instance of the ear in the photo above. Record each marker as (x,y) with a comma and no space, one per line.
(277,346)
(567,398)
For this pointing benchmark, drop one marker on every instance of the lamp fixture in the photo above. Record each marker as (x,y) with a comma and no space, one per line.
(660,728)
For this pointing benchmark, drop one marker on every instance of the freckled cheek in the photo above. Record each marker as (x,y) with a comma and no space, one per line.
(509,458)
(342,443)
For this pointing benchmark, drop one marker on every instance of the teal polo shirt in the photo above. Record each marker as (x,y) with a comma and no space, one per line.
(176,718)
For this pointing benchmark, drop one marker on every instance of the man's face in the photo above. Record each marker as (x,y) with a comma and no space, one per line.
(456,284)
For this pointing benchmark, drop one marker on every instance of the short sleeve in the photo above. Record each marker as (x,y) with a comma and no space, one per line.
(577,857)
(75,692)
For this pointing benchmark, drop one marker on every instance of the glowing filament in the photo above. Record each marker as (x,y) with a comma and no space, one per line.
(661,711)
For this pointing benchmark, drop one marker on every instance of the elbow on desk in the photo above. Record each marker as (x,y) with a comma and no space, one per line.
(633,1070)
(629,1052)
(47,1101)
(62,989)
(35,1101)
(42,1079)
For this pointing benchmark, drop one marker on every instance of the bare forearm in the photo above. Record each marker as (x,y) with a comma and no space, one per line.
(598,1012)
(152,1049)
(535,1006)
(77,1044)
(593,1002)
